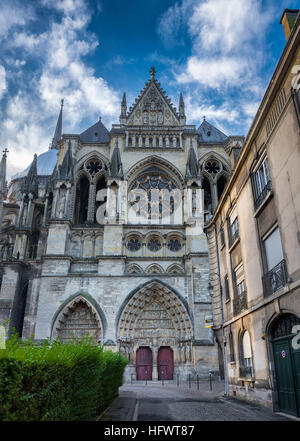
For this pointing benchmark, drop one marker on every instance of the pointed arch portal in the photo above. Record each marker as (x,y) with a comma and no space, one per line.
(77,319)
(154,318)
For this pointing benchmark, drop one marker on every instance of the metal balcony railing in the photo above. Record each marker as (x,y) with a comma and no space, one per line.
(240,302)
(262,196)
(275,279)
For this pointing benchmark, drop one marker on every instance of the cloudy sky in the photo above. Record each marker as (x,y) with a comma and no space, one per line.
(219,53)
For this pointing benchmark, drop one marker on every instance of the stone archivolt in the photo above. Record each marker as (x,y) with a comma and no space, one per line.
(155,317)
(76,320)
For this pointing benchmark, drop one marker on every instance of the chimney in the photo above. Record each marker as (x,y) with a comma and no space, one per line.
(288,21)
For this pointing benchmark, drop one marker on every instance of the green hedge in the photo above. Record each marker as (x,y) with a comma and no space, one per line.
(57,382)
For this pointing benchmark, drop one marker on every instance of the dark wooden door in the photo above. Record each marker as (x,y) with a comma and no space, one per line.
(144,364)
(287,368)
(165,365)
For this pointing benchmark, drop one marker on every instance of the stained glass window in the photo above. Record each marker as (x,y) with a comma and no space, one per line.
(174,245)
(134,244)
(93,167)
(159,203)
(154,245)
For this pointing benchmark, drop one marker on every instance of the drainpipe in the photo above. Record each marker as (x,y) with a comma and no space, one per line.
(222,320)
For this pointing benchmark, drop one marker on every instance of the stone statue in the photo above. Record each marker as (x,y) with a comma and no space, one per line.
(62,206)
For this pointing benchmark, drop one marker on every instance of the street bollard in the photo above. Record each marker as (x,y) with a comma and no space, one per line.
(177,380)
(210,383)
(198,382)
(189,380)
(162,377)
(131,378)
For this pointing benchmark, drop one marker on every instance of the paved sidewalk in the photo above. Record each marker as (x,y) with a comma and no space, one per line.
(157,402)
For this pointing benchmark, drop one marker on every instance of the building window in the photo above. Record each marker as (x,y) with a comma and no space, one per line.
(154,245)
(246,368)
(226,285)
(240,292)
(231,348)
(174,245)
(222,236)
(134,244)
(234,231)
(276,275)
(262,184)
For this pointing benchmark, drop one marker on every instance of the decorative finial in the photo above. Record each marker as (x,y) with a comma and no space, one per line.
(153,72)
(100,118)
(5,151)
(62,103)
(204,118)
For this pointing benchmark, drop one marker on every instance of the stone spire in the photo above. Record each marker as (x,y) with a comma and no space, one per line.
(65,172)
(3,174)
(182,117)
(192,166)
(116,167)
(58,129)
(123,109)
(152,72)
(2,187)
(30,183)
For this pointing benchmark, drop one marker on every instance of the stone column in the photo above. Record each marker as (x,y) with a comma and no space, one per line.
(29,209)
(154,370)
(21,211)
(180,140)
(160,141)
(133,140)
(140,141)
(126,138)
(54,204)
(91,203)
(67,201)
(154,141)
(45,210)
(147,141)
(214,195)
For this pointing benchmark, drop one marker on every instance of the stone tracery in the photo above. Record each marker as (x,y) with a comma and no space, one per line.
(155,317)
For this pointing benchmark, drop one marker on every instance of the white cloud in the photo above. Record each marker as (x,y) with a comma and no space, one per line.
(226,26)
(14,13)
(197,111)
(2,81)
(213,73)
(30,116)
(227,54)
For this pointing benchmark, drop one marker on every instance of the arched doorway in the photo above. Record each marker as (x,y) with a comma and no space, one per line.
(155,317)
(144,364)
(76,320)
(287,363)
(165,364)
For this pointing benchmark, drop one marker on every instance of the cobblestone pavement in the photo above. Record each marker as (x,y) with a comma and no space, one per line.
(157,402)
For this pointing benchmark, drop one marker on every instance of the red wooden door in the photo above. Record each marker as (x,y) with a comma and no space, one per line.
(165,365)
(144,364)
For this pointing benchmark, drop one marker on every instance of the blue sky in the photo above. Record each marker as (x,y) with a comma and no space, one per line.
(219,53)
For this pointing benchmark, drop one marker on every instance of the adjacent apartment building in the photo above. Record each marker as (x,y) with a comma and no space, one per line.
(254,244)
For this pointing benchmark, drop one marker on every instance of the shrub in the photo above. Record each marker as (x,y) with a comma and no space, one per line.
(57,381)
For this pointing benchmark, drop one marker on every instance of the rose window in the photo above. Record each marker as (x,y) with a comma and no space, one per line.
(174,245)
(94,167)
(154,245)
(212,167)
(134,244)
(156,195)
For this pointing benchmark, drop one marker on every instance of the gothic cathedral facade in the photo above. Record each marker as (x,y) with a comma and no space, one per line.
(103,234)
